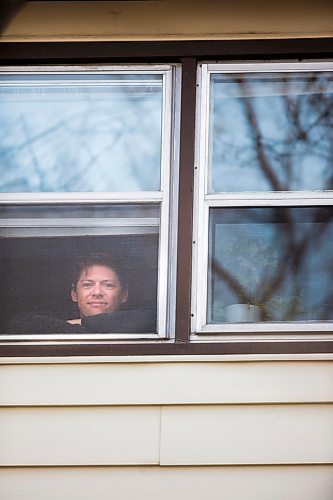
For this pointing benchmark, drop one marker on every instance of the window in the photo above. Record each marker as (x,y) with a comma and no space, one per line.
(209,184)
(264,239)
(87,165)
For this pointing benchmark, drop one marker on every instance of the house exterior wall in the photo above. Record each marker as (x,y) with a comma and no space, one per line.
(187,427)
(210,427)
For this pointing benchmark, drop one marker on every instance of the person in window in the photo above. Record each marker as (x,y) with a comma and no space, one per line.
(99,289)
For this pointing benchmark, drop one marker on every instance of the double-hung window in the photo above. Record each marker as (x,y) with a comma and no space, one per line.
(87,169)
(264,214)
(208,184)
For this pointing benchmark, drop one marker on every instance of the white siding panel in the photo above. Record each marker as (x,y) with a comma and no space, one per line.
(169,483)
(161,20)
(166,383)
(258,434)
(66,436)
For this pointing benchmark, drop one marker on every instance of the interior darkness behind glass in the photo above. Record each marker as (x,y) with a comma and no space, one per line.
(36,273)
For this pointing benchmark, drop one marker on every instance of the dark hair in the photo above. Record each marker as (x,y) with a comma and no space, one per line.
(84,262)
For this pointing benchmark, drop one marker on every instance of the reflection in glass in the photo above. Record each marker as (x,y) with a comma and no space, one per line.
(271,132)
(68,220)
(80,132)
(278,260)
(91,210)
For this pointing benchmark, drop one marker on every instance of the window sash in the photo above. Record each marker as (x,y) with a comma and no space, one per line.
(166,198)
(203,201)
(168,73)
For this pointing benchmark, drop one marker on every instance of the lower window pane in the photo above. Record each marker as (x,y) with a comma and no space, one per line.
(79,275)
(270,264)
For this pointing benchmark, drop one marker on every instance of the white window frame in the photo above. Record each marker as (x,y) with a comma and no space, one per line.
(203,201)
(166,198)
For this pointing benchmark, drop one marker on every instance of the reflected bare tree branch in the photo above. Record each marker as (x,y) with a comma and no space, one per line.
(308,136)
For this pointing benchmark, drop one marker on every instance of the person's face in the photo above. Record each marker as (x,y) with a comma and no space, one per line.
(98,290)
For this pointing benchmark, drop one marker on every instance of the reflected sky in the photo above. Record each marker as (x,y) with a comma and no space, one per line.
(80,133)
(271,132)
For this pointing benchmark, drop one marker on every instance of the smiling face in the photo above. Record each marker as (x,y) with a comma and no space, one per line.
(98,290)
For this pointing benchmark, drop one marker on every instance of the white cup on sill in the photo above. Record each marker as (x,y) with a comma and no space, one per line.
(242,313)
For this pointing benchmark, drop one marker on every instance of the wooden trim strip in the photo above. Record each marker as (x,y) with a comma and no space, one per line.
(43,52)
(164,348)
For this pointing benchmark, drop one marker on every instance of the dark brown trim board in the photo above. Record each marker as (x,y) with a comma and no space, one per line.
(188,54)
(57,52)
(167,349)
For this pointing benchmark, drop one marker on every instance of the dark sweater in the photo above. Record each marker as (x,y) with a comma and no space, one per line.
(130,321)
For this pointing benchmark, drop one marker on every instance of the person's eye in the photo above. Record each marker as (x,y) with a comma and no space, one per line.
(87,284)
(109,285)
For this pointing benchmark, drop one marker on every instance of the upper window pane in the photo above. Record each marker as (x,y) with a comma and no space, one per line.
(271,132)
(88,132)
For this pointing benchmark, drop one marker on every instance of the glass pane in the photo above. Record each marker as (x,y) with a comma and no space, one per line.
(270,264)
(70,220)
(271,132)
(89,210)
(80,132)
(40,263)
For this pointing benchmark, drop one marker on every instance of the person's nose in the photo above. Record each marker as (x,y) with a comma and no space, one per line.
(97,290)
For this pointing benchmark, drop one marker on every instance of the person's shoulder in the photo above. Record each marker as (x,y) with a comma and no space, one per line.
(123,321)
(40,323)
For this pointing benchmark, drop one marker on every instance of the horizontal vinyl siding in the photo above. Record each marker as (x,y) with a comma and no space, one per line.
(79,436)
(189,435)
(166,383)
(180,430)
(265,434)
(161,20)
(169,483)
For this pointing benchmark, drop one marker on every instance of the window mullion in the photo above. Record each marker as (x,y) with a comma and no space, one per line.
(185,205)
